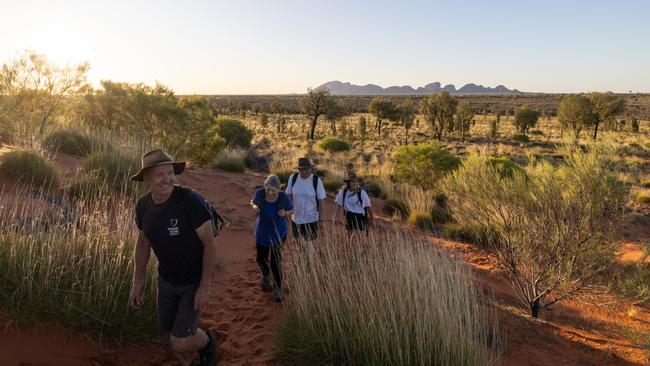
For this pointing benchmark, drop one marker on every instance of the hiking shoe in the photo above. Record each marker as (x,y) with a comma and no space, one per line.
(278,295)
(266,286)
(208,355)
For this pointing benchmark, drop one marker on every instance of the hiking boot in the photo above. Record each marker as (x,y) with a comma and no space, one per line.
(208,355)
(266,285)
(278,295)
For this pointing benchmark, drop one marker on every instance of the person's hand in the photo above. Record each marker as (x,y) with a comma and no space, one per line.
(256,208)
(201,298)
(135,298)
(282,213)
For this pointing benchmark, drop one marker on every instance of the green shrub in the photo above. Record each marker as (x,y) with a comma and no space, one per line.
(520,138)
(230,160)
(31,167)
(643,197)
(332,144)
(208,150)
(536,132)
(283,175)
(115,168)
(504,166)
(632,281)
(372,187)
(234,132)
(69,141)
(422,220)
(394,206)
(560,217)
(332,184)
(399,302)
(424,164)
(440,215)
(458,233)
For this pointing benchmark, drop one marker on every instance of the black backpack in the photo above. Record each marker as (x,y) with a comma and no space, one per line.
(345,192)
(217,222)
(294,178)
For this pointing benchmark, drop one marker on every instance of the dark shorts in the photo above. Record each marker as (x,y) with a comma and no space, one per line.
(307,231)
(176,312)
(355,221)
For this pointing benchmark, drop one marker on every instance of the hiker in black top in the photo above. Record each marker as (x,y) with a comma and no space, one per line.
(175,222)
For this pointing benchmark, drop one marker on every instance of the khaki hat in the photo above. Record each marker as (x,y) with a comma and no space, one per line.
(154,158)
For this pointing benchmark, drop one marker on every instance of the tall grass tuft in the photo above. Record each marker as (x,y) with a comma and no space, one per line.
(69,141)
(231,160)
(111,169)
(30,166)
(399,301)
(73,265)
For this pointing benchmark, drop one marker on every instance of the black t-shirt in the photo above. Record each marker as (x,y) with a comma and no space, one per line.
(170,227)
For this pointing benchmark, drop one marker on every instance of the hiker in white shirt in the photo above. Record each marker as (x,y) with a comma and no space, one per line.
(355,203)
(307,193)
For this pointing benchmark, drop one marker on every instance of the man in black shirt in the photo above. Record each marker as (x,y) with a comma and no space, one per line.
(176,224)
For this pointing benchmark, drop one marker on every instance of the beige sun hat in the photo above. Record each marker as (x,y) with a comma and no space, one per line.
(154,158)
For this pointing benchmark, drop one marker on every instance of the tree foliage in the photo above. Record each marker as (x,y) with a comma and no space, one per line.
(314,104)
(525,118)
(576,112)
(382,109)
(438,110)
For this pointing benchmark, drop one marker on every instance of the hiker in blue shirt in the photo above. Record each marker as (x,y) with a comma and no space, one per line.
(273,208)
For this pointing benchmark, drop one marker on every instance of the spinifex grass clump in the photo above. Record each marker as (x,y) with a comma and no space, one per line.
(400,301)
(30,166)
(72,265)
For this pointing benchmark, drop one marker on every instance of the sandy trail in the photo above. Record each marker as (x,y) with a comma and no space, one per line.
(576,333)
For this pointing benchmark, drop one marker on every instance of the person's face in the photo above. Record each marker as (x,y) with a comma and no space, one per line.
(354,184)
(271,191)
(160,179)
(304,172)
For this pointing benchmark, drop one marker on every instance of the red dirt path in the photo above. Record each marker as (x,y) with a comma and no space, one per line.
(585,331)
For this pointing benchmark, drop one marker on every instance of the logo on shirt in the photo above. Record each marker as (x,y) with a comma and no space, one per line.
(173,229)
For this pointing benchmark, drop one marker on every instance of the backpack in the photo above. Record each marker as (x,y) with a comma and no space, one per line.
(345,192)
(294,178)
(281,205)
(217,222)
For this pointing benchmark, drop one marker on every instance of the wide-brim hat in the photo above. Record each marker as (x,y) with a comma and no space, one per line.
(154,158)
(304,163)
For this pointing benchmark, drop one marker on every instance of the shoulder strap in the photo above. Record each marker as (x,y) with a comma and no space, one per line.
(294,177)
(315,181)
(359,197)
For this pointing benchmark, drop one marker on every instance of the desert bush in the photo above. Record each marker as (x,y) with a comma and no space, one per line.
(332,184)
(234,132)
(520,138)
(632,281)
(643,197)
(458,232)
(552,228)
(332,144)
(230,160)
(504,166)
(208,150)
(423,220)
(69,141)
(399,302)
(424,164)
(536,132)
(30,166)
(393,206)
(73,266)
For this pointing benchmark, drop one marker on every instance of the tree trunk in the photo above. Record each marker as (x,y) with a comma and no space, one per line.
(313,127)
(596,131)
(534,308)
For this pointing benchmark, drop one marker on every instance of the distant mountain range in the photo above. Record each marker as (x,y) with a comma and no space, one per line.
(340,88)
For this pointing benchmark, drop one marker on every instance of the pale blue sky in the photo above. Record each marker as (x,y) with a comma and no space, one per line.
(277,47)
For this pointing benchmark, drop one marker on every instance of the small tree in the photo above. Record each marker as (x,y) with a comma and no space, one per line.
(576,113)
(334,114)
(35,90)
(234,132)
(405,114)
(264,120)
(315,104)
(606,106)
(525,118)
(382,109)
(363,127)
(438,110)
(464,118)
(550,227)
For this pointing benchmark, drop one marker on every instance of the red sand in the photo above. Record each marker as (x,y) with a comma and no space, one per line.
(585,331)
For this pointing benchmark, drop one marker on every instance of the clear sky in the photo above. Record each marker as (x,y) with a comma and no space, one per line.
(277,47)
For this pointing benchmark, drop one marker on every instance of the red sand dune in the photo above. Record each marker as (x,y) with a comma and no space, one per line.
(584,331)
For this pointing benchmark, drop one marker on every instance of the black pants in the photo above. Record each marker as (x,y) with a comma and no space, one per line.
(307,231)
(276,262)
(355,221)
